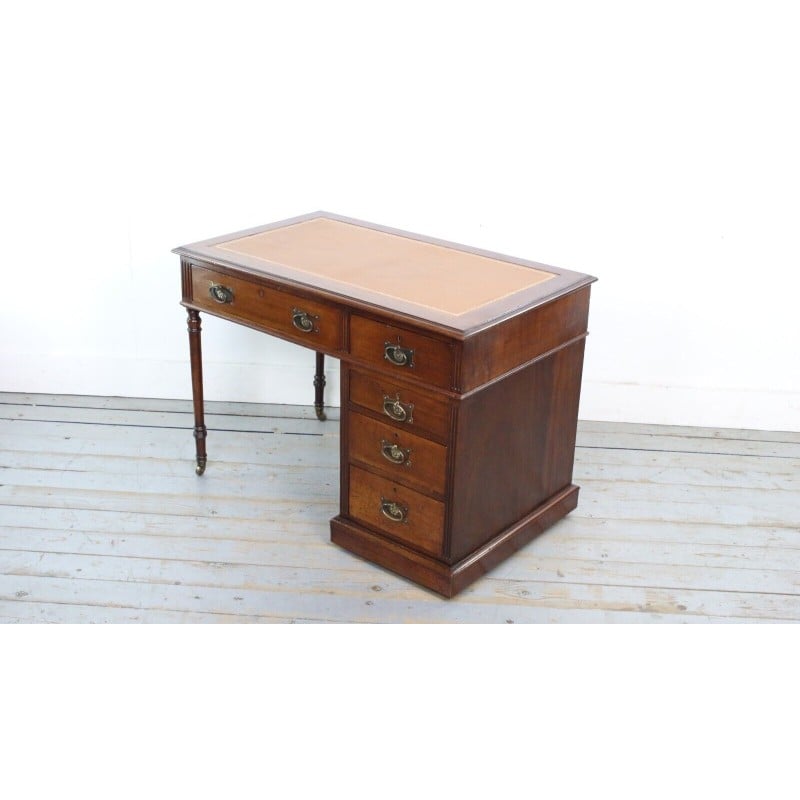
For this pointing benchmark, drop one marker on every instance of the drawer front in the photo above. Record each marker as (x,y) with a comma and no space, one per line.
(400,455)
(305,321)
(397,511)
(406,407)
(402,352)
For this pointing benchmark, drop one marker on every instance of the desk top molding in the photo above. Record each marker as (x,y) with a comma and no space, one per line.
(450,287)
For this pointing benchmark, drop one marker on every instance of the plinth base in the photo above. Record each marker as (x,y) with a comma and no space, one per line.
(442,578)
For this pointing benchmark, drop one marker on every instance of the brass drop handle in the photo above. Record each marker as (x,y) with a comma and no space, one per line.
(304,321)
(399,412)
(394,453)
(399,356)
(220,293)
(394,511)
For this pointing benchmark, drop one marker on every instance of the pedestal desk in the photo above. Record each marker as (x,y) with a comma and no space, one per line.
(460,380)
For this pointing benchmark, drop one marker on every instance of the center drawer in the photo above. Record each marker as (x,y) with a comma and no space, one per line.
(400,455)
(307,322)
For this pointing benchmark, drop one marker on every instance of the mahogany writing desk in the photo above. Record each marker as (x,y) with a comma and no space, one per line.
(460,380)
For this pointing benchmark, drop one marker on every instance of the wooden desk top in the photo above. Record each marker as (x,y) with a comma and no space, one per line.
(443,283)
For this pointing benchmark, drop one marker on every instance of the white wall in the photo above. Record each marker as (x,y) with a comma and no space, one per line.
(652,145)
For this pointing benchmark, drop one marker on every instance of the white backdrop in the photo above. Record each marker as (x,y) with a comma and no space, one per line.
(654,145)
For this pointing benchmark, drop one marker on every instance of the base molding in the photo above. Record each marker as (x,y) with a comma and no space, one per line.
(442,578)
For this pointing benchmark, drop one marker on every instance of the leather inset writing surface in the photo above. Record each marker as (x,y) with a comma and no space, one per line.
(430,275)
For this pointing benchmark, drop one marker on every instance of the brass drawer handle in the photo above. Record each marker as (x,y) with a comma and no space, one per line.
(394,511)
(399,356)
(220,293)
(399,412)
(394,453)
(304,321)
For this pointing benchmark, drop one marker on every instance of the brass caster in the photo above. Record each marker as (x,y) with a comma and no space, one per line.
(201,466)
(320,413)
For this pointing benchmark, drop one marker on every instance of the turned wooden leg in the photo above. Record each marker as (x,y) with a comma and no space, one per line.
(319,387)
(195,353)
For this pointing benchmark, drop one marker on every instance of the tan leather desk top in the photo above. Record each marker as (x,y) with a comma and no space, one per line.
(441,282)
(437,277)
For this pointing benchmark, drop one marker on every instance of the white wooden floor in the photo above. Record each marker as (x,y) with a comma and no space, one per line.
(102,519)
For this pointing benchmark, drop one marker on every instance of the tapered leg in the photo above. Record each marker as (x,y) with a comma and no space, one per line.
(195,353)
(319,387)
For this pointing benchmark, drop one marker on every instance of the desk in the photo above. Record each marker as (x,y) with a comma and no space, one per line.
(460,380)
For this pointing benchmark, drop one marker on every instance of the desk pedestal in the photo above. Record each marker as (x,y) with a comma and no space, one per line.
(443,504)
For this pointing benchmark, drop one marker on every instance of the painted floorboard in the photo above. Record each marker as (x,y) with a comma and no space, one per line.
(306,412)
(103,520)
(660,467)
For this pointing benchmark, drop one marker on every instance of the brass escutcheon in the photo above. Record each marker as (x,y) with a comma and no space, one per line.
(304,321)
(220,293)
(394,453)
(394,511)
(399,412)
(399,356)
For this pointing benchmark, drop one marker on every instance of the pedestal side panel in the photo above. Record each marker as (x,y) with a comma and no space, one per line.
(515,447)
